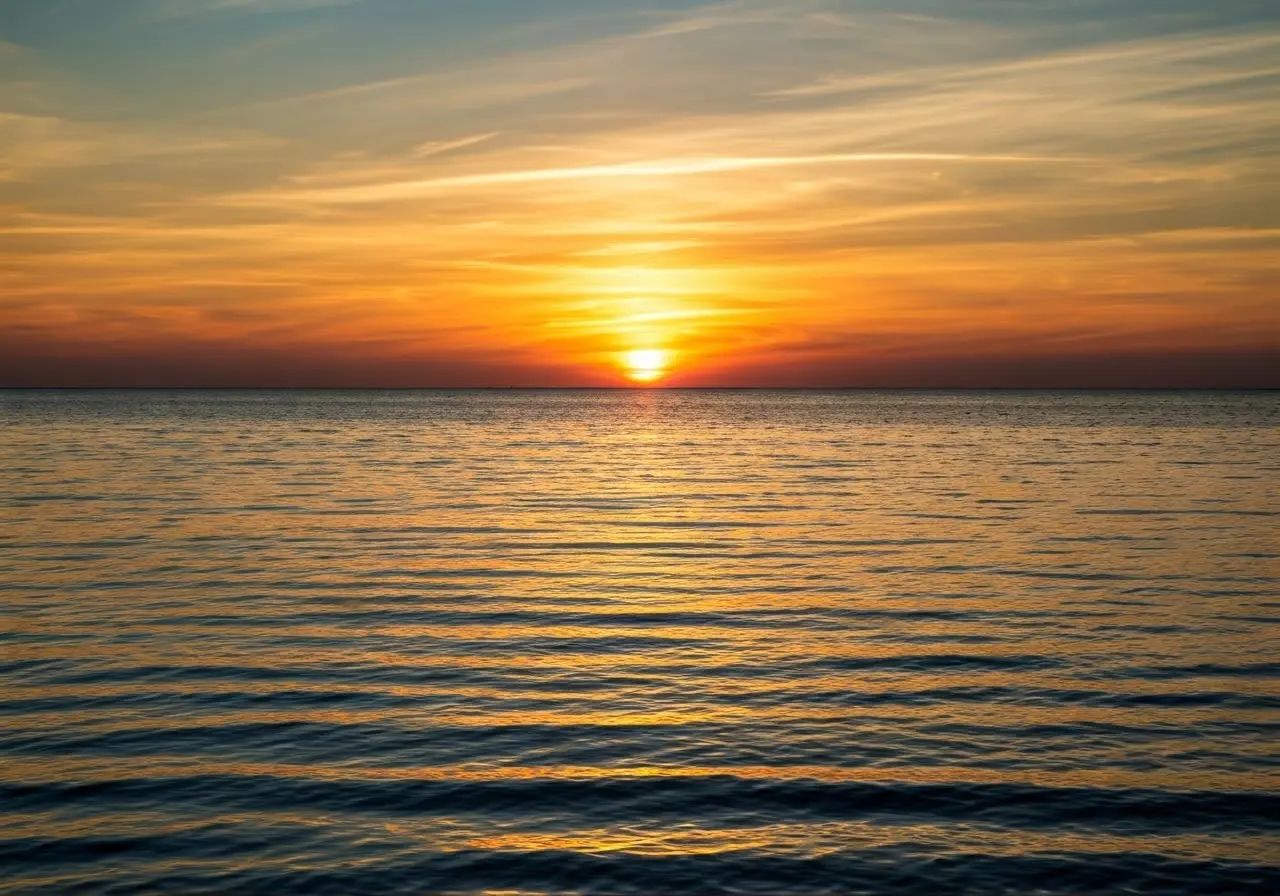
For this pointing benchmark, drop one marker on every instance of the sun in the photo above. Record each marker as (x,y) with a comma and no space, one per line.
(646,365)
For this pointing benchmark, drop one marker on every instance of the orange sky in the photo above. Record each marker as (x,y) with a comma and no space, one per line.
(801,192)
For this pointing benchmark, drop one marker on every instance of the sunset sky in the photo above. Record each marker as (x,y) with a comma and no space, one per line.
(603,192)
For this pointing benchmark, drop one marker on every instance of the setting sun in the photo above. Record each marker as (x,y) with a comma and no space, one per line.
(645,365)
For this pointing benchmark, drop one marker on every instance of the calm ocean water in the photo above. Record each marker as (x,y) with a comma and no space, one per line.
(639,642)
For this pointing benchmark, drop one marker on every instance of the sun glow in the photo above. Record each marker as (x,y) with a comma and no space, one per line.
(646,365)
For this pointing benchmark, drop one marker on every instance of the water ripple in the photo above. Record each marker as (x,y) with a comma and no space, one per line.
(638,642)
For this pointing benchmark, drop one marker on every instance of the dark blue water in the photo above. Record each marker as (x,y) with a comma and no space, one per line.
(639,642)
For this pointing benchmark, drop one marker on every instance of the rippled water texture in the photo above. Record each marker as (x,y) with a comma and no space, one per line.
(639,642)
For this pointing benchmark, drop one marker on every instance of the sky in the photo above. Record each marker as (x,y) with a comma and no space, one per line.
(608,192)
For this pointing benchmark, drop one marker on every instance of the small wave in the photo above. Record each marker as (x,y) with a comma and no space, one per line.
(718,798)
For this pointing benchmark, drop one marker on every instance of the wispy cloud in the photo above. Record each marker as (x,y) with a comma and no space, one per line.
(1234,53)
(659,168)
(436,147)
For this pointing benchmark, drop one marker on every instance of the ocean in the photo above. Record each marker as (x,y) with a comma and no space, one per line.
(639,642)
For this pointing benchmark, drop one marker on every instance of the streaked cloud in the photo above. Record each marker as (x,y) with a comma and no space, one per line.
(657,168)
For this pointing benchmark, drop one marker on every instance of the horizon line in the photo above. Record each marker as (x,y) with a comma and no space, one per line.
(825,388)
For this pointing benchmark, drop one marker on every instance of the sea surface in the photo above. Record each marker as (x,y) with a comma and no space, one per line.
(639,642)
